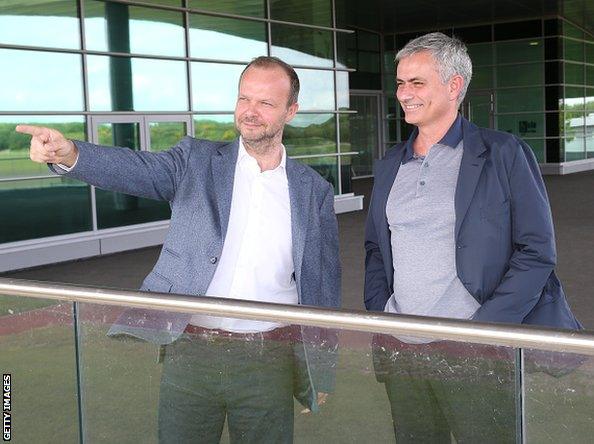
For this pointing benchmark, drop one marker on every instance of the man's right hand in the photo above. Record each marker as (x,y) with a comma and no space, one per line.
(49,146)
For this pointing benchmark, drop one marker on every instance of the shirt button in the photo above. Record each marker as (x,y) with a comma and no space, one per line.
(422,182)
(427,165)
(213,260)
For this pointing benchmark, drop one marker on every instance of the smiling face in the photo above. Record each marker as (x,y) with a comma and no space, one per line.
(262,108)
(425,99)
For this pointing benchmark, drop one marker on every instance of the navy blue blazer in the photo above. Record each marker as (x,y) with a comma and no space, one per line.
(505,243)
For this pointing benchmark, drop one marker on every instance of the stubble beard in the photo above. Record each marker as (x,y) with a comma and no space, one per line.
(264,142)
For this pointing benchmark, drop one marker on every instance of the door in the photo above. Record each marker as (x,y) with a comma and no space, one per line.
(478,108)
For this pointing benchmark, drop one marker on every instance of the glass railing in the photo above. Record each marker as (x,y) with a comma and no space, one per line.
(120,366)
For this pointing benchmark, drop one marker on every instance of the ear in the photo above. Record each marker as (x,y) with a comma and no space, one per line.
(456,84)
(291,111)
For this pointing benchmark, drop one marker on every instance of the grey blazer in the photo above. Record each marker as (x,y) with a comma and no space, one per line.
(196,177)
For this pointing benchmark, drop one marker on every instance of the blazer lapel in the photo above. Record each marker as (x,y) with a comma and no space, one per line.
(300,186)
(223,174)
(470,171)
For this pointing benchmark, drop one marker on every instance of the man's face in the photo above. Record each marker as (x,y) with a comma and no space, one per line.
(424,98)
(261,110)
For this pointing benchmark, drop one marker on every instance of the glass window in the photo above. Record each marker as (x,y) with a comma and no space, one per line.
(342,90)
(302,46)
(520,99)
(537,146)
(520,51)
(575,148)
(346,173)
(164,135)
(520,75)
(482,78)
(573,100)
(43,207)
(571,31)
(589,105)
(589,52)
(346,50)
(254,8)
(573,50)
(590,75)
(481,54)
(590,136)
(572,124)
(40,81)
(14,147)
(139,84)
(312,12)
(226,39)
(317,89)
(310,134)
(35,24)
(344,120)
(116,27)
(214,86)
(523,125)
(216,127)
(327,167)
(574,73)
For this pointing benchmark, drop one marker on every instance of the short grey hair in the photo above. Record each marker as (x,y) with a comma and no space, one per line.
(450,54)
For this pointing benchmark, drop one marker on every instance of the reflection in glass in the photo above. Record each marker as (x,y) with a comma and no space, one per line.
(226,39)
(310,134)
(589,100)
(364,134)
(217,127)
(327,167)
(482,78)
(254,8)
(520,99)
(302,46)
(481,53)
(519,51)
(558,402)
(520,75)
(342,90)
(60,90)
(35,24)
(117,27)
(574,73)
(480,109)
(346,174)
(346,50)
(589,75)
(574,130)
(117,209)
(312,12)
(214,86)
(164,135)
(139,84)
(590,135)
(43,207)
(14,147)
(573,50)
(38,351)
(538,148)
(317,89)
(589,52)
(522,125)
(573,100)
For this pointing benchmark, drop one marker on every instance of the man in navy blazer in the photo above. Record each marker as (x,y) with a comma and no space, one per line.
(246,221)
(459,226)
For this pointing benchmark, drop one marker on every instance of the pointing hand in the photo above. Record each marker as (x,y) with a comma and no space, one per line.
(49,145)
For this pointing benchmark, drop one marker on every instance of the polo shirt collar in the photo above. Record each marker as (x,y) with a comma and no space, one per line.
(452,139)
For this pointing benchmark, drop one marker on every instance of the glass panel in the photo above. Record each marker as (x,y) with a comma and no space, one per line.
(214,86)
(571,31)
(589,75)
(346,174)
(520,51)
(226,39)
(134,84)
(14,147)
(215,127)
(312,12)
(342,90)
(481,54)
(60,90)
(164,135)
(520,75)
(574,73)
(117,209)
(589,99)
(30,24)
(572,123)
(520,99)
(310,134)
(389,71)
(39,356)
(43,207)
(302,46)
(558,402)
(574,130)
(392,130)
(346,50)
(589,52)
(116,27)
(537,146)
(327,167)
(479,110)
(573,100)
(364,133)
(317,90)
(573,50)
(590,136)
(523,125)
(482,78)
(254,8)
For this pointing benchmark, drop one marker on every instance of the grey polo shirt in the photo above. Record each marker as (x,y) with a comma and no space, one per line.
(422,218)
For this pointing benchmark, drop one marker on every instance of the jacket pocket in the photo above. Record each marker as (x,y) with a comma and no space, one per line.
(157,283)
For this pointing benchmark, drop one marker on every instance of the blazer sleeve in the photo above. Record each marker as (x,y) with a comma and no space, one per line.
(376,291)
(140,173)
(331,270)
(534,256)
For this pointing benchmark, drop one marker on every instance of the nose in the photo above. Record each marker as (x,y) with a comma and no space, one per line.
(403,92)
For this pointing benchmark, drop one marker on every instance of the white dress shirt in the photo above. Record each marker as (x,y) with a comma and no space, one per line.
(256,263)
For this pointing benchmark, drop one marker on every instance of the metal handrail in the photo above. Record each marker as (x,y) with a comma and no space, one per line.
(507,335)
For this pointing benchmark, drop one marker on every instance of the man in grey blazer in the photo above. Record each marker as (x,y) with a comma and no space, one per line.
(247,222)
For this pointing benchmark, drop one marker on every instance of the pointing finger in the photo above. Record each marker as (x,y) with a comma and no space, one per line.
(31,130)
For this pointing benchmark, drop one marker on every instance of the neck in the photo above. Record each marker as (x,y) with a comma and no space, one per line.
(268,153)
(429,135)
